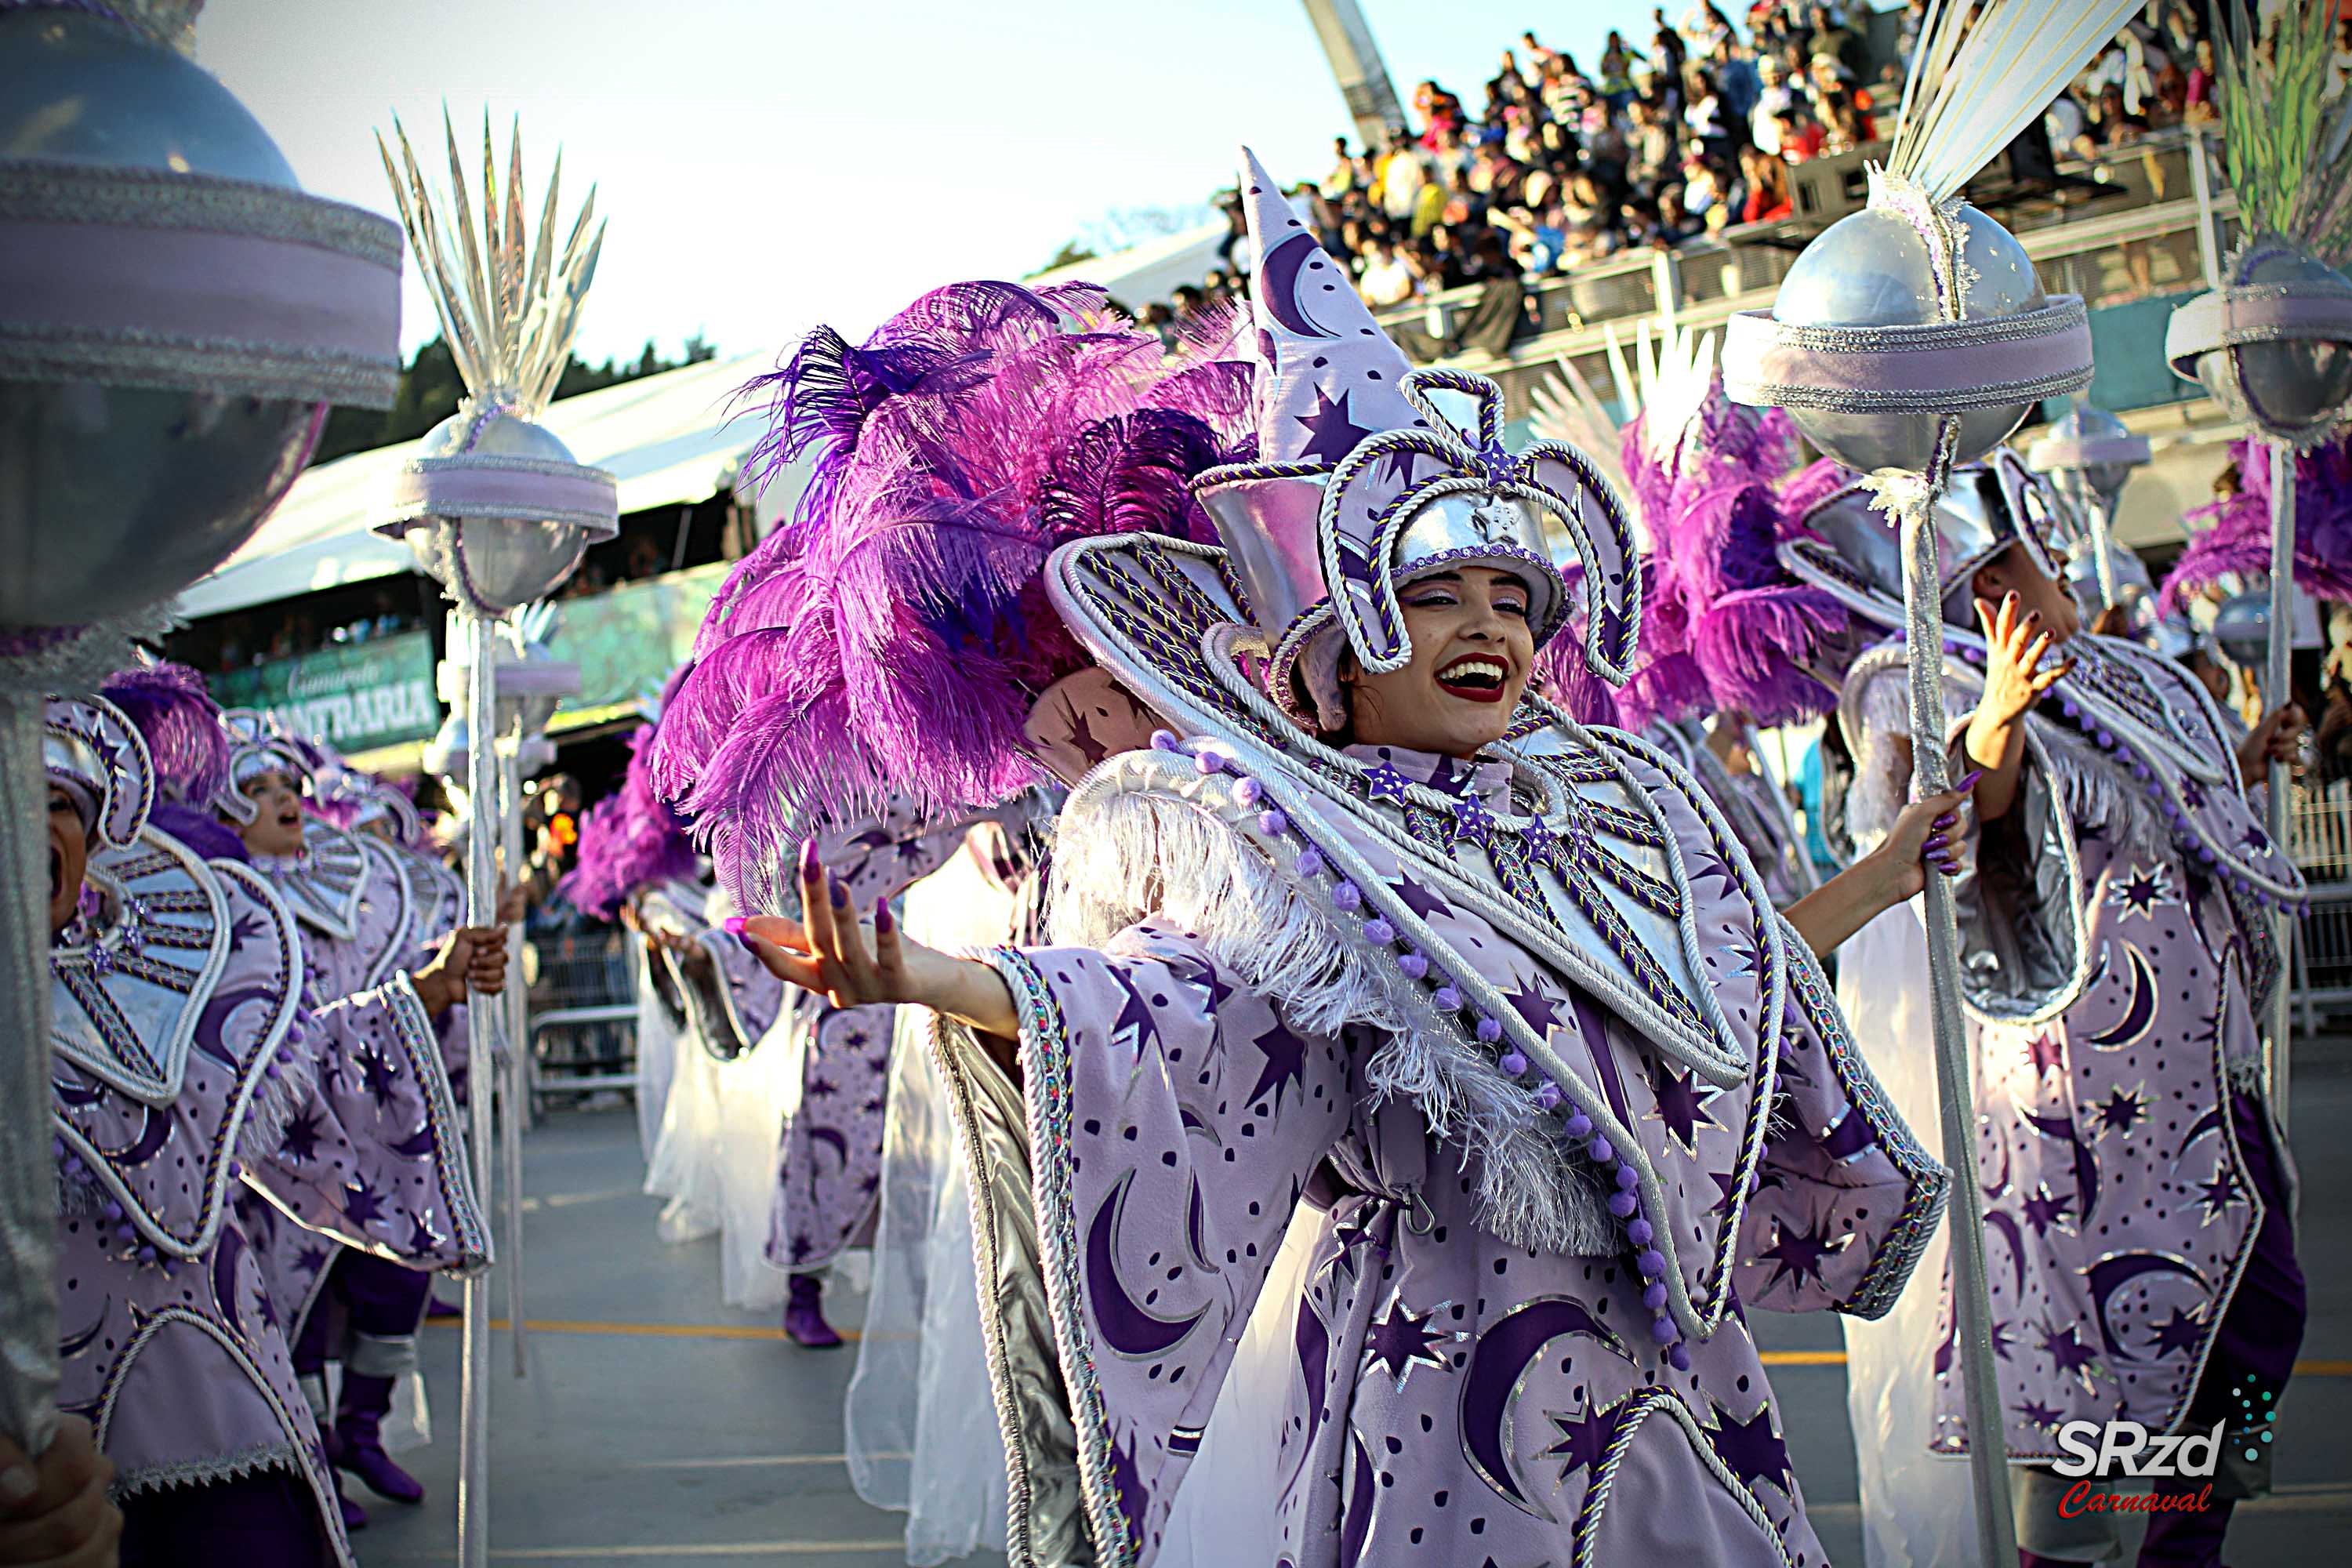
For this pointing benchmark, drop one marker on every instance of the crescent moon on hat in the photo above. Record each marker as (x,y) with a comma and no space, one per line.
(2140,1015)
(1280,269)
(2110,1275)
(1125,1327)
(225,1261)
(1491,1383)
(833,1136)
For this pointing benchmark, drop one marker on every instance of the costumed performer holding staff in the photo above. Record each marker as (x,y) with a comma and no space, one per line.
(356,906)
(184,1044)
(2116,955)
(1498,995)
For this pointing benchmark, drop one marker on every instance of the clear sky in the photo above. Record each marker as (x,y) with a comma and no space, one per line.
(771,163)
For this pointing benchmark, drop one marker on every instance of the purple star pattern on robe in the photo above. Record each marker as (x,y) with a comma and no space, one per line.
(1452,1396)
(183,1363)
(2089,1225)
(829,1154)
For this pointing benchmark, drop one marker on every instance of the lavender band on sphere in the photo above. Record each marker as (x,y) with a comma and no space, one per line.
(1939,368)
(137,278)
(2226,317)
(520,490)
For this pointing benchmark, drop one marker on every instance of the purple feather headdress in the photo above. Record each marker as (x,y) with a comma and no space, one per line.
(628,840)
(181,723)
(893,637)
(1724,627)
(2239,537)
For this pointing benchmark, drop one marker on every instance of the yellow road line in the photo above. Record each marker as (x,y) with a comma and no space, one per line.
(2309,1368)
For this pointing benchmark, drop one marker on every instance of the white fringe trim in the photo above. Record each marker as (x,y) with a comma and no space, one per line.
(245,1462)
(276,1102)
(1136,855)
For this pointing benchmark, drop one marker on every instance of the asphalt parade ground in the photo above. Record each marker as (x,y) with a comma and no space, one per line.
(656,1428)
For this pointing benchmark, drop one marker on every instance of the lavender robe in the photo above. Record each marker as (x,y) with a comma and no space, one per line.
(2114,977)
(182,1066)
(829,1157)
(393,1086)
(1234,1040)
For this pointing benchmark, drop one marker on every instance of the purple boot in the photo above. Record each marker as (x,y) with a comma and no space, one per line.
(359,1446)
(354,1516)
(804,1321)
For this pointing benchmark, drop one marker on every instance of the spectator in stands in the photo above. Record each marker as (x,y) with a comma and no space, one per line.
(1617,70)
(1827,35)
(1798,134)
(1386,280)
(1844,127)
(1767,178)
(2199,106)
(1736,81)
(1668,52)
(1773,99)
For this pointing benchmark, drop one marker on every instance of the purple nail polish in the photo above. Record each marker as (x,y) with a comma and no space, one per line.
(1934,843)
(1949,819)
(734,924)
(1968,781)
(840,892)
(1948,868)
(883,920)
(810,865)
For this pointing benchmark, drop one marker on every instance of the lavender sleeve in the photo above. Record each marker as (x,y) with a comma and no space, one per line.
(1128,1197)
(374,1154)
(1845,1198)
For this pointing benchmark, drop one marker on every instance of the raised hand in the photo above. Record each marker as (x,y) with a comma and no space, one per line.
(2015,673)
(828,950)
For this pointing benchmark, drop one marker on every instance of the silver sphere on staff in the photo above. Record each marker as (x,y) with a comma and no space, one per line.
(1871,269)
(130,471)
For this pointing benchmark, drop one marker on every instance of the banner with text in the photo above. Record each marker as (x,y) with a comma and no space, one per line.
(359,696)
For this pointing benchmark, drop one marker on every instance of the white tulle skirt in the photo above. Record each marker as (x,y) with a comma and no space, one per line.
(657,1052)
(921,1423)
(715,1156)
(1917,1508)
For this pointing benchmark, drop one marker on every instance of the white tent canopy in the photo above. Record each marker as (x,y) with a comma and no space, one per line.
(671,439)
(1148,273)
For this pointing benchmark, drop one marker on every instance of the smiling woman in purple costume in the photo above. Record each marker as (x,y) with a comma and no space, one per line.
(1494,1002)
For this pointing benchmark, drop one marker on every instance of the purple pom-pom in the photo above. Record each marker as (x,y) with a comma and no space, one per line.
(1600,1149)
(1248,791)
(1638,1233)
(1622,1204)
(1272,824)
(1163,739)
(1490,1030)
(1347,896)
(1413,965)
(1377,930)
(113,1212)
(1578,1125)
(1628,1178)
(1662,1330)
(1208,762)
(1449,997)
(1654,1297)
(1651,1262)
(1548,1096)
(1679,1353)
(1310,861)
(1513,1063)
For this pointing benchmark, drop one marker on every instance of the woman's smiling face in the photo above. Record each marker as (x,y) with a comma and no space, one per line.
(1472,652)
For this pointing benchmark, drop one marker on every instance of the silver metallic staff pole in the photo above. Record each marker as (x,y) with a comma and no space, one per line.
(2103,536)
(481,1035)
(511,1071)
(1923,636)
(2278,690)
(28,1179)
(499,513)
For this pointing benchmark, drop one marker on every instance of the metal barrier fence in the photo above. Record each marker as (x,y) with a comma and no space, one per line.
(2320,838)
(582,999)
